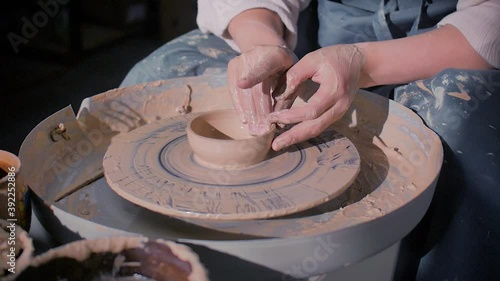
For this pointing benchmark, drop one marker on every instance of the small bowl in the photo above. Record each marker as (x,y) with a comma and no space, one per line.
(115,258)
(220,141)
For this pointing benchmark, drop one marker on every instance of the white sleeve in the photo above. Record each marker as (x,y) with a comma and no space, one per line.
(479,22)
(214,16)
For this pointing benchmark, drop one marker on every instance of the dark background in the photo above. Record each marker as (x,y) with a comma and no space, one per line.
(68,50)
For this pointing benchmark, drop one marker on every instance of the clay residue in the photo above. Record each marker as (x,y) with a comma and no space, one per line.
(210,52)
(462,94)
(81,250)
(439,93)
(185,107)
(86,208)
(136,248)
(124,109)
(422,86)
(183,252)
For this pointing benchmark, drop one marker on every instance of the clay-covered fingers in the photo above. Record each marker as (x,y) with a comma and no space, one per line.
(239,99)
(310,128)
(325,98)
(282,99)
(264,62)
(253,107)
(257,115)
(313,67)
(254,104)
(300,132)
(330,89)
(336,69)
(251,78)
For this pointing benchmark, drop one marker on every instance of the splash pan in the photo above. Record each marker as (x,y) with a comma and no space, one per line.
(399,163)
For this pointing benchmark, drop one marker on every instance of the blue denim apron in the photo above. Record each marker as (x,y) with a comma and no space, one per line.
(354,21)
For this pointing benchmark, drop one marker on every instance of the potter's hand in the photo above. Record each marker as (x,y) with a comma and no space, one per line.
(337,70)
(252,76)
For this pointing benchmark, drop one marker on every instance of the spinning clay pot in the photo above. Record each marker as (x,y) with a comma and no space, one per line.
(219,140)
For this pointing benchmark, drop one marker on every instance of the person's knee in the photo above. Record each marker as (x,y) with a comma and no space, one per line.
(452,99)
(187,55)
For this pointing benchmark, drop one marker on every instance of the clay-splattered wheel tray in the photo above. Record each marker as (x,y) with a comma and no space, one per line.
(153,166)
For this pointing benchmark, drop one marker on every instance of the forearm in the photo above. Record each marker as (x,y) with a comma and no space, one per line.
(256,27)
(417,57)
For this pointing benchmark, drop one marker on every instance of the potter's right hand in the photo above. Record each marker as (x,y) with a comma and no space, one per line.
(252,77)
(338,70)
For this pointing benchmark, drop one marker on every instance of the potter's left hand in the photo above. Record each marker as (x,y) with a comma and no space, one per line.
(252,77)
(337,70)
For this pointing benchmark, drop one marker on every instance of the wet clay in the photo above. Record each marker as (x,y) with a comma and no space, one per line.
(117,258)
(155,167)
(220,141)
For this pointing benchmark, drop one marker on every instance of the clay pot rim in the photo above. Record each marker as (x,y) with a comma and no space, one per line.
(272,130)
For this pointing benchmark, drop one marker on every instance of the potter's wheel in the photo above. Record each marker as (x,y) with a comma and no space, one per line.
(153,166)
(400,161)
